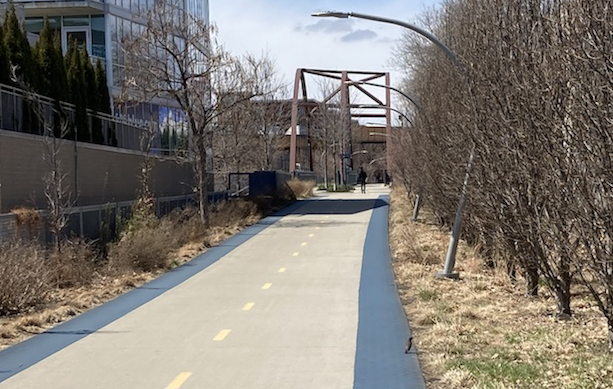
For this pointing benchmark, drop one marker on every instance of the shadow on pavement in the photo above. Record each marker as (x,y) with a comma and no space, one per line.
(293,223)
(335,207)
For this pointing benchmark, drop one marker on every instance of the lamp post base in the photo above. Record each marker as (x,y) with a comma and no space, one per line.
(453,275)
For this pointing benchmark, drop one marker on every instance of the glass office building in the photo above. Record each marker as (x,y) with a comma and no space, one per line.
(99,26)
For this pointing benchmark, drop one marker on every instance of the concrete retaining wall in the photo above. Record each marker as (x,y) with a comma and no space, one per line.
(94,174)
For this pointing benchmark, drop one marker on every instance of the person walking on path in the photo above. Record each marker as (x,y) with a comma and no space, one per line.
(362,179)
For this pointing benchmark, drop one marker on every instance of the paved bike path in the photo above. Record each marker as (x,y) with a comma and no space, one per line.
(306,298)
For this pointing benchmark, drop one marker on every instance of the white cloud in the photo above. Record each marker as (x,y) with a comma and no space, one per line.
(328,26)
(359,35)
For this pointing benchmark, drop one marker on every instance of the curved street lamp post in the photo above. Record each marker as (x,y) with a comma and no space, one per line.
(378,106)
(448,271)
(406,96)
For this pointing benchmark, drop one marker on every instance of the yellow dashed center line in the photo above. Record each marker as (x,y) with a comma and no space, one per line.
(248,306)
(282,270)
(267,285)
(317,228)
(311,235)
(179,380)
(296,254)
(303,244)
(221,335)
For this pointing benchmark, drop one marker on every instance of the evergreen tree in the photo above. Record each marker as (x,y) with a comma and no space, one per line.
(19,54)
(89,81)
(50,70)
(49,61)
(104,100)
(43,53)
(62,81)
(76,90)
(17,47)
(5,77)
(90,91)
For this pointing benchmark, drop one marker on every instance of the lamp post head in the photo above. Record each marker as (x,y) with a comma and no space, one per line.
(331,14)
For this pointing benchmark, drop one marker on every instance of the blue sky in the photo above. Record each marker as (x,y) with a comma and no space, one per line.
(285,31)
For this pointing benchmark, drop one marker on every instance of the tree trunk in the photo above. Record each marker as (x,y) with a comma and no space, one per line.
(511,270)
(532,280)
(610,325)
(201,174)
(326,168)
(335,175)
(563,287)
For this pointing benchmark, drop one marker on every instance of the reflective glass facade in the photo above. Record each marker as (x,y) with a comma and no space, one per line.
(103,27)
(93,25)
(199,9)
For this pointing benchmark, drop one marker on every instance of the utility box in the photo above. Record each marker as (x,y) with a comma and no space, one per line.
(262,183)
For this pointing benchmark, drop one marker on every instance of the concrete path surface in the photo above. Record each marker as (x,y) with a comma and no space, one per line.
(304,299)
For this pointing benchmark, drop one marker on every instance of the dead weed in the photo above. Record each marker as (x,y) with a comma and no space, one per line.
(301,189)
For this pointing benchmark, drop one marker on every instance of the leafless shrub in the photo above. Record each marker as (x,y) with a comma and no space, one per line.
(145,249)
(23,277)
(143,245)
(74,266)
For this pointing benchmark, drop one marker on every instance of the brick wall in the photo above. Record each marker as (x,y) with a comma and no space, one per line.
(102,174)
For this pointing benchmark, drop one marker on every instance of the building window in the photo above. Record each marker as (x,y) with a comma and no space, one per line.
(113,42)
(74,21)
(98,40)
(35,25)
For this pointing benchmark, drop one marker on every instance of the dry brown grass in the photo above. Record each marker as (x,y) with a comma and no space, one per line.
(235,213)
(301,189)
(482,331)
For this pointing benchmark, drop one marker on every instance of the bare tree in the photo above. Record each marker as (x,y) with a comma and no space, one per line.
(542,180)
(248,129)
(589,178)
(329,129)
(270,113)
(174,57)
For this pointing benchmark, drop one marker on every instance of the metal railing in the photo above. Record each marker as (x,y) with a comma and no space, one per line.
(90,221)
(16,115)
